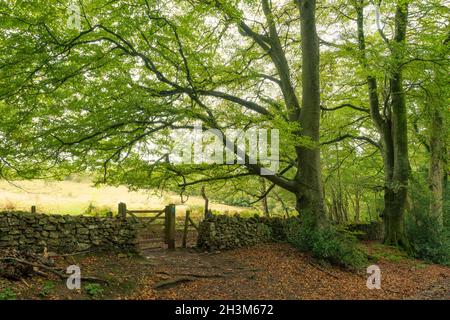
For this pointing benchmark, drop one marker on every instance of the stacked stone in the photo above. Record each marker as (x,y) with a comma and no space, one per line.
(65,233)
(277,227)
(368,231)
(227,232)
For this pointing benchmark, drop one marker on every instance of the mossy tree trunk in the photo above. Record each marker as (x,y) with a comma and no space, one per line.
(310,199)
(436,169)
(391,125)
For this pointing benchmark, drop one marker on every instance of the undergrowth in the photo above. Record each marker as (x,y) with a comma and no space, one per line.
(328,244)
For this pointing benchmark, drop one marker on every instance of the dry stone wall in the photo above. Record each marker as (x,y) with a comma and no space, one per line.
(368,231)
(65,233)
(220,232)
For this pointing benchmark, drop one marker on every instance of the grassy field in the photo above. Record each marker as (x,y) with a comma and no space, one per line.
(72,197)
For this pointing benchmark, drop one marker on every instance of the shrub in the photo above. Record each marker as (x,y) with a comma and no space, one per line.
(95,211)
(94,289)
(235,201)
(7,294)
(47,289)
(430,239)
(328,244)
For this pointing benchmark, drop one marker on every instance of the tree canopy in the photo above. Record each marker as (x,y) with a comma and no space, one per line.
(358,91)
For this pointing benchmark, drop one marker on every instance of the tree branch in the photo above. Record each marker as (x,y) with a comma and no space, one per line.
(245,174)
(362,109)
(349,136)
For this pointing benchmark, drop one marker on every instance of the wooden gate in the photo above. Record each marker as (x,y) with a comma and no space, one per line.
(145,238)
(188,222)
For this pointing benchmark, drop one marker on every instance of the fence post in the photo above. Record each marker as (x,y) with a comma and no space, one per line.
(33,209)
(122,210)
(170,226)
(166,224)
(186,225)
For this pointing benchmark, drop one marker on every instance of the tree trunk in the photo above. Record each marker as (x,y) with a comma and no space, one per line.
(397,189)
(392,128)
(335,207)
(283,205)
(330,211)
(357,207)
(395,194)
(345,207)
(265,206)
(436,170)
(206,210)
(310,200)
(369,212)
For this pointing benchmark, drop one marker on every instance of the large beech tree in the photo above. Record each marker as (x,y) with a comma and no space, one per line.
(392,49)
(137,69)
(392,125)
(101,86)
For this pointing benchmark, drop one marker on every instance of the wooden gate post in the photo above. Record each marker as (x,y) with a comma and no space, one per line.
(166,224)
(186,225)
(169,226)
(122,210)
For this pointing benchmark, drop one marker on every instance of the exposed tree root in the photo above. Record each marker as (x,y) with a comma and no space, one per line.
(324,271)
(172,282)
(193,275)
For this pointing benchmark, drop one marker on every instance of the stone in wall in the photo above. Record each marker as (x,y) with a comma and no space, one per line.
(367,231)
(64,233)
(227,232)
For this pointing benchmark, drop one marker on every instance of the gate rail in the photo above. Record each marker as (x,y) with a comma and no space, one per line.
(169,220)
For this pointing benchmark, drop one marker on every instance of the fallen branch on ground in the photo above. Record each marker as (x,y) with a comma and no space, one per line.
(324,271)
(193,275)
(49,269)
(70,254)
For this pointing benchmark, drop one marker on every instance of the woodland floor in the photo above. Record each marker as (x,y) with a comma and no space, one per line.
(268,271)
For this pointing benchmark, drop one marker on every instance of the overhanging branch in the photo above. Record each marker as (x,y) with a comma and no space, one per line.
(349,136)
(348,105)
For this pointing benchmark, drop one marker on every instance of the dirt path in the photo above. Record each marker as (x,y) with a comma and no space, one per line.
(269,271)
(438,291)
(278,271)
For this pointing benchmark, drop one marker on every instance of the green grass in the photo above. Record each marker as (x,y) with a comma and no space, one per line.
(47,289)
(388,256)
(95,290)
(420,266)
(391,254)
(76,197)
(7,294)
